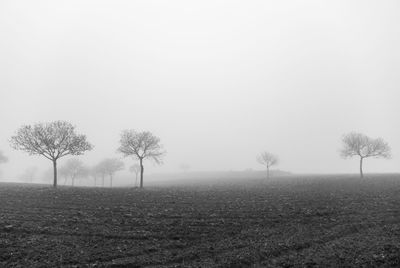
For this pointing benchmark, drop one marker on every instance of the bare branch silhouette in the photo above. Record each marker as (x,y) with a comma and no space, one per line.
(141,145)
(52,140)
(357,144)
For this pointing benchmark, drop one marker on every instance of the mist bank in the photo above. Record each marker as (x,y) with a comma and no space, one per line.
(213,176)
(125,179)
(198,178)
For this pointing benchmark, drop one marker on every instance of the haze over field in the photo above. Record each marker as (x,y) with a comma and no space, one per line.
(218,81)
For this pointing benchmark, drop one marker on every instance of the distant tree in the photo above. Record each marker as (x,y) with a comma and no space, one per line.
(52,140)
(357,144)
(29,174)
(185,167)
(110,166)
(3,158)
(101,170)
(95,173)
(135,169)
(268,160)
(73,169)
(141,145)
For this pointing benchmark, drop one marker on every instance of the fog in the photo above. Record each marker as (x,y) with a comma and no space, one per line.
(218,81)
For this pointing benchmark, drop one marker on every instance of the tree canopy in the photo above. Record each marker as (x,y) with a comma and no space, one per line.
(357,144)
(52,140)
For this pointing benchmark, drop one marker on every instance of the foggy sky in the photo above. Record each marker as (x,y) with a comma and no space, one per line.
(218,81)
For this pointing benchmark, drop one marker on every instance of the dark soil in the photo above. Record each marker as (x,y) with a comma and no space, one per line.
(314,222)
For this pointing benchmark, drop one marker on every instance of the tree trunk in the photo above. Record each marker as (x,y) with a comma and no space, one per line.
(141,172)
(267,172)
(55,173)
(111,178)
(361,167)
(102,181)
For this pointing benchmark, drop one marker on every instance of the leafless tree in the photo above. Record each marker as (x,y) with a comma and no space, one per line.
(52,140)
(135,169)
(357,144)
(101,170)
(95,173)
(141,145)
(268,160)
(185,167)
(110,166)
(3,158)
(73,169)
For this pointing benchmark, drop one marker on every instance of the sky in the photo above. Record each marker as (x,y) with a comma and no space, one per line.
(218,81)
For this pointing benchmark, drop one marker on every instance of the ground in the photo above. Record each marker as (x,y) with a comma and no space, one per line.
(318,221)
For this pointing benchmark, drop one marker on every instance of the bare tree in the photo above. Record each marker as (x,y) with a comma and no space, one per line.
(101,170)
(185,167)
(110,166)
(141,145)
(52,140)
(357,144)
(268,160)
(3,158)
(135,169)
(74,169)
(94,172)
